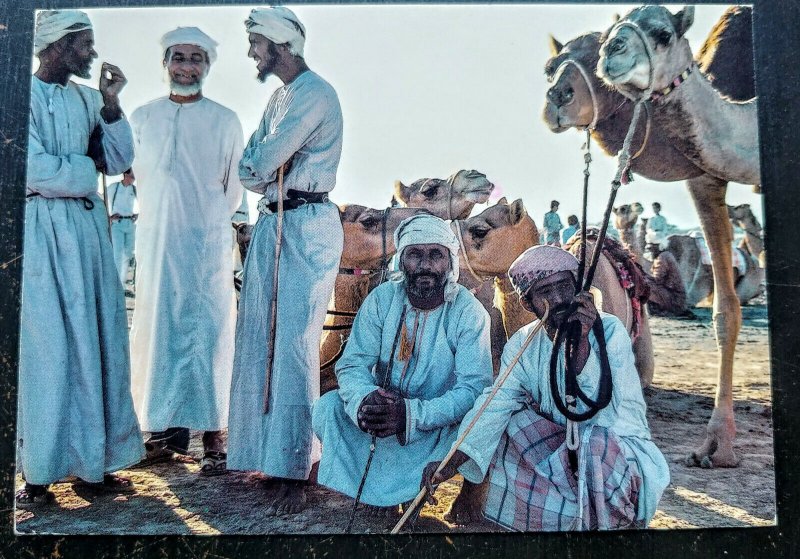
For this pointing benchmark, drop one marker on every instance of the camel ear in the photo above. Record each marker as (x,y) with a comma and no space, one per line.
(683,20)
(502,201)
(615,18)
(394,203)
(517,209)
(555,46)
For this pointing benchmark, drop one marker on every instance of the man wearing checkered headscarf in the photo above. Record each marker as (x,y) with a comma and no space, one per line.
(520,438)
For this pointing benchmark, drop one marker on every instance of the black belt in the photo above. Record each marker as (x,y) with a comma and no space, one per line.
(297,198)
(87,203)
(126,217)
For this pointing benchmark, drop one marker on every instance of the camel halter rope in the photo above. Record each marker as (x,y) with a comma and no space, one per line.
(273,314)
(480,279)
(570,334)
(497,385)
(384,384)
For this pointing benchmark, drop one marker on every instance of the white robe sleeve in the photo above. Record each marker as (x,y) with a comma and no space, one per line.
(354,368)
(233,187)
(481,442)
(58,176)
(281,139)
(473,370)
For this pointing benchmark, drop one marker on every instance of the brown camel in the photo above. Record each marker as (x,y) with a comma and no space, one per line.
(359,272)
(451,198)
(625,218)
(717,135)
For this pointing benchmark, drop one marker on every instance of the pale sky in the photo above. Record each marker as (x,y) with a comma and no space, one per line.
(425,91)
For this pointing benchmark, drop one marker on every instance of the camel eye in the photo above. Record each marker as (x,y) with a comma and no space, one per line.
(369,222)
(478,232)
(663,37)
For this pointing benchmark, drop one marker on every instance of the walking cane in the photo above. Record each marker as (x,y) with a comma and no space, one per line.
(273,315)
(105,201)
(421,495)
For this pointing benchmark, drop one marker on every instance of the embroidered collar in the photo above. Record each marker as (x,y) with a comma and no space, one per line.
(658,94)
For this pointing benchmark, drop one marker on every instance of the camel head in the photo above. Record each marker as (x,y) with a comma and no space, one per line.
(625,216)
(568,103)
(453,198)
(625,61)
(495,237)
(743,217)
(363,234)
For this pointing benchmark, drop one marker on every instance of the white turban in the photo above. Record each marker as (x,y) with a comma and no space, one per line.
(52,25)
(279,25)
(425,229)
(190,36)
(539,262)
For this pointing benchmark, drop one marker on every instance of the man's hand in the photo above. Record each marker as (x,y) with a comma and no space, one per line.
(115,217)
(431,480)
(112,80)
(585,314)
(382,413)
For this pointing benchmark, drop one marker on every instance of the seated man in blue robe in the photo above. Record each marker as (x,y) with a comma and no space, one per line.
(418,356)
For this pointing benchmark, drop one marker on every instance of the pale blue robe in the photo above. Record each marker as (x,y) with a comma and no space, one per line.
(451,364)
(302,120)
(75,412)
(182,335)
(529,382)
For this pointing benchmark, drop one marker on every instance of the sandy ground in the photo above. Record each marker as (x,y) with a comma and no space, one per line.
(173,499)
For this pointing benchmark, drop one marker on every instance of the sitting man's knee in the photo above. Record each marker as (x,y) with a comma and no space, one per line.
(329,405)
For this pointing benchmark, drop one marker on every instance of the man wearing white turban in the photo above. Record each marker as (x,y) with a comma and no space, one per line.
(301,132)
(187,155)
(616,476)
(75,414)
(418,356)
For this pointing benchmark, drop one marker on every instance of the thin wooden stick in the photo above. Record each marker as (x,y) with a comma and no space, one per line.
(421,495)
(105,201)
(273,316)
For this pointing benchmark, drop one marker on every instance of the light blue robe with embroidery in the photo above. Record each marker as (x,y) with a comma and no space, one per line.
(530,380)
(450,365)
(75,414)
(302,122)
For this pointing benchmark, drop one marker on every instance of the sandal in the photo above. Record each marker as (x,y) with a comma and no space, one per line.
(157,452)
(214,463)
(111,483)
(33,496)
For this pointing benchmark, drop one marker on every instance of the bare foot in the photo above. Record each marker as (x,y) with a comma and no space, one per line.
(289,497)
(466,509)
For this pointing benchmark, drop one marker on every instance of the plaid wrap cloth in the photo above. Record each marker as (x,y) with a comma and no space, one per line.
(532,487)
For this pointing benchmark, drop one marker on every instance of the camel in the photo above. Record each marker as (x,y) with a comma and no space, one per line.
(716,134)
(449,199)
(625,218)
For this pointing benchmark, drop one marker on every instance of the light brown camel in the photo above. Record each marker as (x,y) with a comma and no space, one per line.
(742,216)
(451,198)
(716,134)
(359,273)
(625,218)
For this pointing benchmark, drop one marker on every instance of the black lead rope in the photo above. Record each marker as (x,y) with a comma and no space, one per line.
(384,384)
(384,252)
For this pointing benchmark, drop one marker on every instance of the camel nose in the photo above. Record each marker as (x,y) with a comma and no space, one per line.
(559,96)
(616,45)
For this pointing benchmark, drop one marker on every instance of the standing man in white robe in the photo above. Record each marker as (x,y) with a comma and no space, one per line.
(301,129)
(75,414)
(121,211)
(187,155)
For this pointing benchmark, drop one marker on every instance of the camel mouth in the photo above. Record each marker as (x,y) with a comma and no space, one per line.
(479,194)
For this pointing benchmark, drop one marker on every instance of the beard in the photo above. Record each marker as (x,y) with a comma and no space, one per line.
(84,71)
(184,90)
(428,290)
(269,69)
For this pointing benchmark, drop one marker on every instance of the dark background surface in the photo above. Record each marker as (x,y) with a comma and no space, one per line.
(777,53)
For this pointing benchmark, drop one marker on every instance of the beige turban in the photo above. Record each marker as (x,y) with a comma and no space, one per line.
(279,25)
(539,262)
(190,36)
(52,25)
(428,229)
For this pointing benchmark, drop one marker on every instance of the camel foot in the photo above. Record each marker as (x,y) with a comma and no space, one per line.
(713,455)
(467,508)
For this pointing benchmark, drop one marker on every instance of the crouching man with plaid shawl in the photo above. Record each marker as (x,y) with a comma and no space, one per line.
(520,439)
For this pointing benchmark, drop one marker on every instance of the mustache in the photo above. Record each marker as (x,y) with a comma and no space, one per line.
(418,275)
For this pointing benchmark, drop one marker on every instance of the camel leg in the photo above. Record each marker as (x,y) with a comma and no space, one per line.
(708,194)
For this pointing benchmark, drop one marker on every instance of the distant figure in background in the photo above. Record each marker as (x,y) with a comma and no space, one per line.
(75,414)
(657,225)
(241,217)
(667,291)
(182,338)
(121,208)
(573,227)
(552,225)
